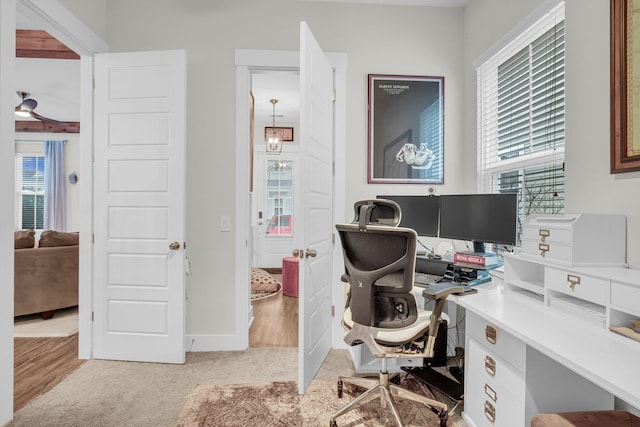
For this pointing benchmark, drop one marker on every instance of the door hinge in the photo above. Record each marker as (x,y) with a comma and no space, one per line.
(93,239)
(94,84)
(333,238)
(333,311)
(334,95)
(92,316)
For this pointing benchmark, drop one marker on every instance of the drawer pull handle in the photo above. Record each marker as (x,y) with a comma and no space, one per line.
(543,234)
(491,334)
(490,365)
(490,411)
(573,281)
(544,248)
(490,392)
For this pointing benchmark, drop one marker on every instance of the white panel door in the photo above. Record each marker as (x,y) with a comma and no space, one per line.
(316,129)
(139,199)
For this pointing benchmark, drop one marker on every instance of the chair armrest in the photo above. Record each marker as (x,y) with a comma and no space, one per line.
(442,290)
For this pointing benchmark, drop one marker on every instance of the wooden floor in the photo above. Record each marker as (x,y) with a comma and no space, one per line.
(275,322)
(40,364)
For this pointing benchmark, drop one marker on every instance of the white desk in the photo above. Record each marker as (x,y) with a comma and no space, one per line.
(550,340)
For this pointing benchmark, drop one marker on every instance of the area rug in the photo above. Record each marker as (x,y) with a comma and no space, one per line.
(263,284)
(279,404)
(63,324)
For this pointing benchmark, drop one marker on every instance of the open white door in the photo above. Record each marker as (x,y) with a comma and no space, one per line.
(316,180)
(139,199)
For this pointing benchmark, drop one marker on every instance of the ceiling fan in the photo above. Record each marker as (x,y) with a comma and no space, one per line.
(26,107)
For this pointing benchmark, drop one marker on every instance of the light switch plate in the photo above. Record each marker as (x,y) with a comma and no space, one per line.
(225,223)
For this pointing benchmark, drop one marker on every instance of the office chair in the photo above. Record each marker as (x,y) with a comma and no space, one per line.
(381,310)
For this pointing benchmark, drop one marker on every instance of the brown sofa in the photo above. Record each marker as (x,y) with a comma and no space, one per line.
(45,275)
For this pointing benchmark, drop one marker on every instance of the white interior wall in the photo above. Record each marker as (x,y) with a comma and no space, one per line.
(378,39)
(93,13)
(589,187)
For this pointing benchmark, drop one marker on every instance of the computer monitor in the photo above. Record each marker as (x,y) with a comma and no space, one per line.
(482,218)
(420,213)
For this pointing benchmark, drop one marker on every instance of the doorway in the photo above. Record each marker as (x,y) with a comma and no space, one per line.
(57,22)
(275,204)
(276,198)
(246,61)
(45,349)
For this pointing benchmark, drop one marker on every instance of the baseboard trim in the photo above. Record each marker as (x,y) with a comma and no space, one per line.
(213,343)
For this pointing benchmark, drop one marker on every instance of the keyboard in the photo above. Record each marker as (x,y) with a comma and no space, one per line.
(425,279)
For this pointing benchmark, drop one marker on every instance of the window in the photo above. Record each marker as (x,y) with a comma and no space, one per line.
(521,117)
(30,192)
(279,192)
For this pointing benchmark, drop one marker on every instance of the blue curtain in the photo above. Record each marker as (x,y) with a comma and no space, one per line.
(55,199)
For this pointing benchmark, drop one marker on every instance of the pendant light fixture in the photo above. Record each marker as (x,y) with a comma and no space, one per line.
(273,136)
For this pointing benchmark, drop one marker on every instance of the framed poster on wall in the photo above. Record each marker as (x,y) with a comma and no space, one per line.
(625,86)
(406,129)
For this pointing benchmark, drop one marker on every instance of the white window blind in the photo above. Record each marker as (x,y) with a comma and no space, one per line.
(29,192)
(521,117)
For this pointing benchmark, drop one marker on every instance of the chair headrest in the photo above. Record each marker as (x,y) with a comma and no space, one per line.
(377,212)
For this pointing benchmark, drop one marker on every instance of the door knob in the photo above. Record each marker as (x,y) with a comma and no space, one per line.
(310,253)
(296,253)
(174,246)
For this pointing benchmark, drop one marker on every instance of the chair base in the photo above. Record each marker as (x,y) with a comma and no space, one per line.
(453,389)
(387,392)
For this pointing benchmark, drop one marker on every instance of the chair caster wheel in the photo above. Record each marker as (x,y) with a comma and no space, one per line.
(340,389)
(333,423)
(443,419)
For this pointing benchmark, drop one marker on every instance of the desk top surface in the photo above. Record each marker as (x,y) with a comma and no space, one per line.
(603,357)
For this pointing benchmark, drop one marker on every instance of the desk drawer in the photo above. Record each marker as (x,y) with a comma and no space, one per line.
(495,340)
(626,297)
(502,377)
(547,251)
(578,285)
(486,403)
(547,234)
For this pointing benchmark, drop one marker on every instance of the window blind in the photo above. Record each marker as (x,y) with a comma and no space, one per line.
(521,117)
(30,192)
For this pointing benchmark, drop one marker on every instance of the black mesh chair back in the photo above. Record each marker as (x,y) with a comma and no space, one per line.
(379,264)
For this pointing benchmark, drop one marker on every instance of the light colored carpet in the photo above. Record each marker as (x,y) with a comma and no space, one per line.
(279,404)
(103,393)
(110,393)
(63,324)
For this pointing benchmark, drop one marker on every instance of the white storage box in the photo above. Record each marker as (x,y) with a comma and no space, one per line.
(576,239)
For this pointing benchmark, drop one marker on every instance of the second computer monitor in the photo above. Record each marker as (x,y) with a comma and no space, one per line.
(421,213)
(490,218)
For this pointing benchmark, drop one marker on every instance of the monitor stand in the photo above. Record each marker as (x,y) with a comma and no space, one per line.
(478,247)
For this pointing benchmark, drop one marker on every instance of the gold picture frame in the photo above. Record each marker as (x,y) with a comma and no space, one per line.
(625,85)
(285,134)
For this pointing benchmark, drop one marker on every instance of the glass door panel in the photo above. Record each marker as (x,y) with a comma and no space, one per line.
(279,191)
